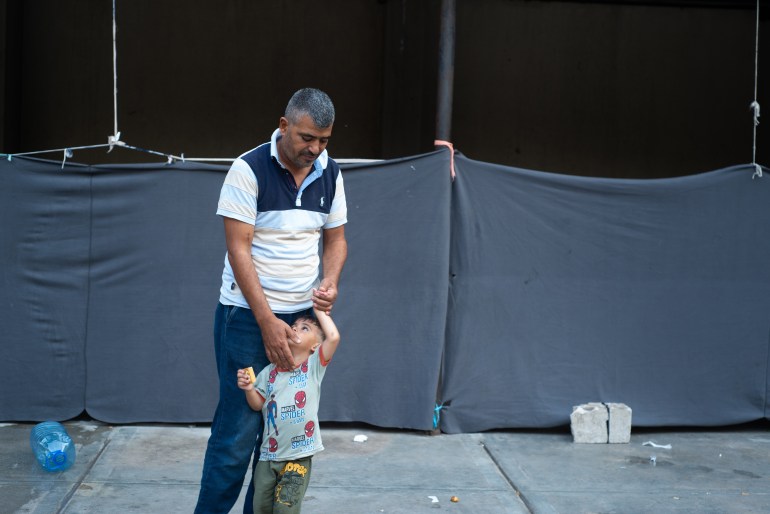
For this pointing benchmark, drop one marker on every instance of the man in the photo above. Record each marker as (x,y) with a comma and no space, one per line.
(276,201)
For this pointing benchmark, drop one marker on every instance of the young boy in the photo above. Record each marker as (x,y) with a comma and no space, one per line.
(289,402)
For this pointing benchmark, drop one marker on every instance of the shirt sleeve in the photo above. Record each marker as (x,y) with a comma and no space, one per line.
(238,197)
(338,215)
(317,369)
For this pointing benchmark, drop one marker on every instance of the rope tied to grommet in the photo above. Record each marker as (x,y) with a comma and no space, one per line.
(757,168)
(67,155)
(754,106)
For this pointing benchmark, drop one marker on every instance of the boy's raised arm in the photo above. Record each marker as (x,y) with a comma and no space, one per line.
(329,346)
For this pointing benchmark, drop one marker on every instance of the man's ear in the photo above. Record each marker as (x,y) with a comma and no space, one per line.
(283,124)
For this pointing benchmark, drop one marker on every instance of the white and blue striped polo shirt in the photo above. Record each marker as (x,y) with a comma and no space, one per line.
(287,223)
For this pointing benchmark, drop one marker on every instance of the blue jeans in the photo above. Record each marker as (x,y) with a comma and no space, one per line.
(236,431)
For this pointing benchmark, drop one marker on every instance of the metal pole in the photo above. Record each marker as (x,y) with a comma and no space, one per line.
(446,70)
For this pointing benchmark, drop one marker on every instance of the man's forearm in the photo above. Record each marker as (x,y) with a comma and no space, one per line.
(239,236)
(334,257)
(248,281)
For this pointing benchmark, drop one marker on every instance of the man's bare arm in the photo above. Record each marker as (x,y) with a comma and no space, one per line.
(334,256)
(275,333)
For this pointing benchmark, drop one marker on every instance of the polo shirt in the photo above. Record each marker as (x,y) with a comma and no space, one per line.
(287,221)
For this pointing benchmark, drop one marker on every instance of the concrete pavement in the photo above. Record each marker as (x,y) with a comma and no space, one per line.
(156,469)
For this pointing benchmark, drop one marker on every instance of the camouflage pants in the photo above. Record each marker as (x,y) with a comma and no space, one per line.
(279,486)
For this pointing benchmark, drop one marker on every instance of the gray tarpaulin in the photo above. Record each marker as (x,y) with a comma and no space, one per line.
(536,291)
(157,251)
(109,288)
(393,294)
(569,289)
(44,247)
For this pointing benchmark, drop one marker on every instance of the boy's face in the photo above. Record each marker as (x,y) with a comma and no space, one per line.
(309,333)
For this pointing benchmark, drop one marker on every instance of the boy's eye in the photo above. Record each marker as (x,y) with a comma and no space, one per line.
(306,329)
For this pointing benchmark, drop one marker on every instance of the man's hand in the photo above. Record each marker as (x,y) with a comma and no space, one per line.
(276,335)
(325,296)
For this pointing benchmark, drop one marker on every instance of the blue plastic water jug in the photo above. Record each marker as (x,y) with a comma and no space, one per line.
(52,446)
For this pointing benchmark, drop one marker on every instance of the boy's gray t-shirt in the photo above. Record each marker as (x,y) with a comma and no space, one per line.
(291,418)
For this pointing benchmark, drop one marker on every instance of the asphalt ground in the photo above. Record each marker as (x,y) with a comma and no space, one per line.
(156,469)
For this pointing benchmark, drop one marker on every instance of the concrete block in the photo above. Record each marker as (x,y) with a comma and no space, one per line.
(620,422)
(588,423)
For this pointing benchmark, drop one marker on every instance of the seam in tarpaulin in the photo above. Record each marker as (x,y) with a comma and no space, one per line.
(439,142)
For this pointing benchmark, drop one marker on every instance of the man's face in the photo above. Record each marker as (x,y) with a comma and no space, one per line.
(301,143)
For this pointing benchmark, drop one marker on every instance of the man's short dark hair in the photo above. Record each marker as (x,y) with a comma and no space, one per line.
(311,102)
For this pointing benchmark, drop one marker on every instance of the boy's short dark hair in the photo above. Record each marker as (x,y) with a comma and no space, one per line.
(313,321)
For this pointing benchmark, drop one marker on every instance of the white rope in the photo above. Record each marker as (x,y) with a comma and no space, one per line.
(116,134)
(68,149)
(170,158)
(755,104)
(114,139)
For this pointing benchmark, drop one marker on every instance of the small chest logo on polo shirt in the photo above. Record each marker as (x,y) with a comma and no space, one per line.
(322,201)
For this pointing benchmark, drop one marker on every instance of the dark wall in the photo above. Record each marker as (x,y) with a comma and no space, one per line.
(197,77)
(10,74)
(607,89)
